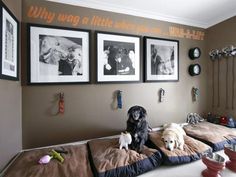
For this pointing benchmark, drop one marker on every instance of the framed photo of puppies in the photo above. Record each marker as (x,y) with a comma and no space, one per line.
(58,55)
(9,58)
(118,58)
(161,59)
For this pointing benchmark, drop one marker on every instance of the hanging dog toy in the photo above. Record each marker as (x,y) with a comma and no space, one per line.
(119,99)
(61,105)
(161,94)
(195,93)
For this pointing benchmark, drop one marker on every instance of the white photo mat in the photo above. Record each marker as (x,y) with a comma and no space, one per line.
(174,76)
(101,37)
(36,75)
(9,43)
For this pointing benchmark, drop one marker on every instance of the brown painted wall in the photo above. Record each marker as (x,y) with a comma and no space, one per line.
(218,37)
(10,109)
(88,108)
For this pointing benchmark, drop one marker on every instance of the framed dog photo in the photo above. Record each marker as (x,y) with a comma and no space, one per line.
(9,58)
(58,55)
(161,59)
(118,58)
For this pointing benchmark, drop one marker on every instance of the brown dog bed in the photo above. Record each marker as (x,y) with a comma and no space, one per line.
(214,135)
(76,163)
(193,149)
(109,161)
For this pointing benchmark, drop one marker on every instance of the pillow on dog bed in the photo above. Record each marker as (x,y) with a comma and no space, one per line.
(76,163)
(109,161)
(214,135)
(193,149)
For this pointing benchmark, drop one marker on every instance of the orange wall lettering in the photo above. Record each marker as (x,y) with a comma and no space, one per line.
(44,14)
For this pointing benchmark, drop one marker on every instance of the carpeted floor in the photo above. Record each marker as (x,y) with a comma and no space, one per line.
(193,169)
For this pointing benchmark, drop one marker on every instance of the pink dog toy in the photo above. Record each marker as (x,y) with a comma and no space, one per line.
(45,159)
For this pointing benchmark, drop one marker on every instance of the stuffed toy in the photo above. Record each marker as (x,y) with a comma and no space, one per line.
(53,154)
(231,122)
(125,140)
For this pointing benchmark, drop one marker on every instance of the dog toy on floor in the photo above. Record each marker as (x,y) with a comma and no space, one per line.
(125,140)
(194,118)
(53,155)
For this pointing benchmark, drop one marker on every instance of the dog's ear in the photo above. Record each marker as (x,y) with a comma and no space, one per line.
(143,111)
(130,110)
(176,143)
(162,138)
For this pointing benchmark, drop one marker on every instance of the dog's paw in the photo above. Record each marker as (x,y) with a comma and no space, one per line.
(181,148)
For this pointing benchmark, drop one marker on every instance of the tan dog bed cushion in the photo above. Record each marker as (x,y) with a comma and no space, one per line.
(193,149)
(214,135)
(109,161)
(76,163)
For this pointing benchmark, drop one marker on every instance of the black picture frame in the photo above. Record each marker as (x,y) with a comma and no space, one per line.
(58,55)
(161,60)
(118,57)
(9,47)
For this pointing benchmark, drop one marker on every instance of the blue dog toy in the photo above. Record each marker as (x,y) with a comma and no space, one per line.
(119,99)
(231,122)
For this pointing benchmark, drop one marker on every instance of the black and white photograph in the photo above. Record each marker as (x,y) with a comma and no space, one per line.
(9,45)
(118,58)
(58,55)
(161,59)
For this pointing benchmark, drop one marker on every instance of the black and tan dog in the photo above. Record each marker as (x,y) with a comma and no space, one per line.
(137,126)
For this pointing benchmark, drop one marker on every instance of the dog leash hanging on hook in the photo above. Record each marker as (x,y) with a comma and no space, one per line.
(227,53)
(218,54)
(233,83)
(119,99)
(233,53)
(213,59)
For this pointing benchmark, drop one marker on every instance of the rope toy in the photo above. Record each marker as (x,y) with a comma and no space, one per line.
(61,104)
(195,93)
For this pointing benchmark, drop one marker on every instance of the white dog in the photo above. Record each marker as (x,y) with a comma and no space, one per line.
(125,140)
(173,136)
